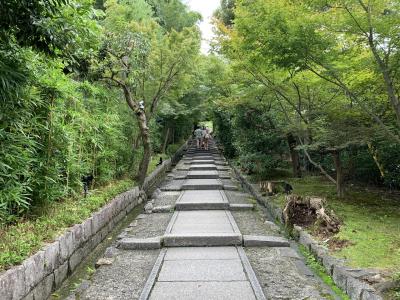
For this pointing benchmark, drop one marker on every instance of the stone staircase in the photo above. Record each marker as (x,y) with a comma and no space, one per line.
(202,256)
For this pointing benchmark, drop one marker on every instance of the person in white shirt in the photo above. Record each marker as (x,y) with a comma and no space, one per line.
(198,134)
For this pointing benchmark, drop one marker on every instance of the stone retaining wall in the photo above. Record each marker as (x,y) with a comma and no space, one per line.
(154,179)
(42,273)
(348,279)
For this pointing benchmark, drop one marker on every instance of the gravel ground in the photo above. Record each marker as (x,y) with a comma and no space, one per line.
(238,197)
(280,278)
(123,279)
(148,225)
(167,198)
(253,223)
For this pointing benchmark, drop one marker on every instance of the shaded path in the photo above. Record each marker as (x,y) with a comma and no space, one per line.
(193,248)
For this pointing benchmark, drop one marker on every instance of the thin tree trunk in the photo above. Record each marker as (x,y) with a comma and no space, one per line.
(374,153)
(294,155)
(145,135)
(164,147)
(317,165)
(339,174)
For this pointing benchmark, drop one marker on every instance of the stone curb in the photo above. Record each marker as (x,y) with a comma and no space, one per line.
(355,288)
(43,272)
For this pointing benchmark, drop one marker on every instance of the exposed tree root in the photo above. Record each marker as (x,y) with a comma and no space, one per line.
(309,211)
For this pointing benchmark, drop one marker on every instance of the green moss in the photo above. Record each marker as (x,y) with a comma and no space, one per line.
(20,240)
(320,271)
(370,221)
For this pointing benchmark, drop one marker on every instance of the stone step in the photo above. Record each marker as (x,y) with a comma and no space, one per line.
(213,174)
(202,206)
(206,167)
(202,184)
(201,157)
(140,244)
(204,162)
(264,241)
(202,239)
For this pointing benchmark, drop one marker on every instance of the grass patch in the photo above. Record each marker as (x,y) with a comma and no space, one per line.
(19,241)
(370,221)
(320,271)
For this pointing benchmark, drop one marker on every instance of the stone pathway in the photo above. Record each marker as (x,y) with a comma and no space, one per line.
(202,252)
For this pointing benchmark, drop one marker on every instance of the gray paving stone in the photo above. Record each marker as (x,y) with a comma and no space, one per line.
(140,244)
(211,174)
(206,167)
(200,161)
(193,253)
(202,200)
(199,239)
(267,241)
(236,290)
(202,228)
(202,270)
(202,184)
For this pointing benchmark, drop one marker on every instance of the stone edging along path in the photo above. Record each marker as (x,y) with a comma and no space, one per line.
(42,273)
(345,277)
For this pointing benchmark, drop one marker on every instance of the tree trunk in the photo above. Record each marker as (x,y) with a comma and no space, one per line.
(294,155)
(145,135)
(164,147)
(339,174)
(374,153)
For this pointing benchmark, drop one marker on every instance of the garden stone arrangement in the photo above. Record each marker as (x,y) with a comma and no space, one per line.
(200,237)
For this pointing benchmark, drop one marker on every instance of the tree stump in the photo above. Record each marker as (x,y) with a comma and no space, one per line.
(307,211)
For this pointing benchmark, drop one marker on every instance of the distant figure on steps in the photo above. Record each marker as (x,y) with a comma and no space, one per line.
(198,134)
(206,137)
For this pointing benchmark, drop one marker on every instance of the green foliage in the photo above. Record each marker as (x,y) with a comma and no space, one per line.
(59,119)
(20,240)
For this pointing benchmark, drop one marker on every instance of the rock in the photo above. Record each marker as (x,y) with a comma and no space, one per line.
(134,223)
(104,262)
(148,208)
(156,193)
(162,209)
(264,241)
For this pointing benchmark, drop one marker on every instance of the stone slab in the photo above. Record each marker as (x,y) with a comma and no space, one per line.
(163,209)
(202,184)
(212,174)
(202,270)
(241,206)
(200,162)
(199,239)
(264,241)
(142,244)
(202,217)
(193,253)
(202,228)
(206,167)
(202,206)
(202,200)
(230,188)
(236,290)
